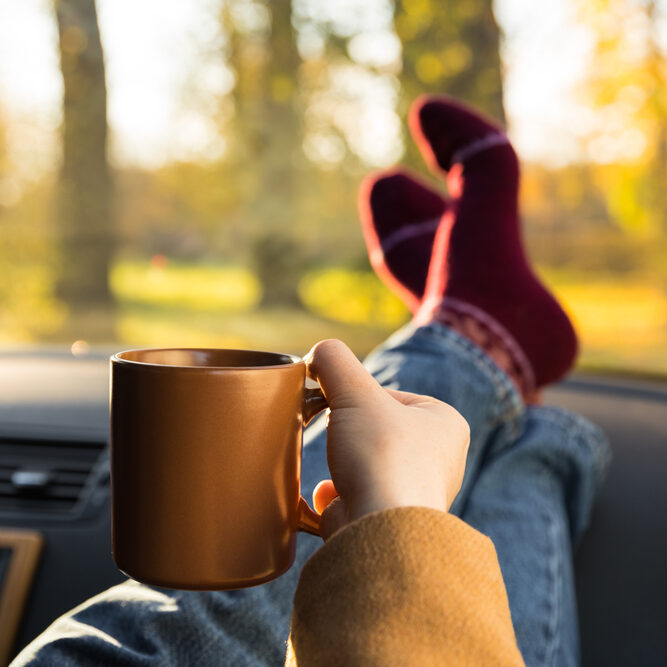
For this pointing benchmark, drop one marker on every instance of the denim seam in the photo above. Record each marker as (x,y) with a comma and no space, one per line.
(555,571)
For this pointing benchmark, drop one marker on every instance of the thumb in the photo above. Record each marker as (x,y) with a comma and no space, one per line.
(344,381)
(324,493)
(333,518)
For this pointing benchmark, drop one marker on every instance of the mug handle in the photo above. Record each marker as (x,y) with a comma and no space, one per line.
(313,403)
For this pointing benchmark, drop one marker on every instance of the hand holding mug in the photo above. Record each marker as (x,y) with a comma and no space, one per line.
(206,458)
(385,448)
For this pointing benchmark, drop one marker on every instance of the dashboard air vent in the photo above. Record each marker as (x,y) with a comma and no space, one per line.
(44,475)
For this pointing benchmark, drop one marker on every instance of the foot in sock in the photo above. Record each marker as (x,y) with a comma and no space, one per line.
(479,280)
(399,217)
(400,214)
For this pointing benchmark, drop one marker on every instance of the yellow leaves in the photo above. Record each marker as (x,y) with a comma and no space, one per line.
(409,27)
(570,189)
(488,81)
(632,97)
(550,197)
(414,17)
(621,324)
(623,186)
(428,68)
(28,269)
(454,58)
(532,191)
(418,8)
(282,88)
(469,10)
(626,208)
(28,310)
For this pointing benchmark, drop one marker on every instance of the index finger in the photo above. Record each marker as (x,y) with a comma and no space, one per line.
(344,380)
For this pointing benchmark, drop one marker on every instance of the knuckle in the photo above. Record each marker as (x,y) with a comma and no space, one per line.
(332,518)
(465,430)
(325,354)
(457,423)
(328,347)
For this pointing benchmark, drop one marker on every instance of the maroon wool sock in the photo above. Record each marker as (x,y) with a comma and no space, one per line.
(479,272)
(399,218)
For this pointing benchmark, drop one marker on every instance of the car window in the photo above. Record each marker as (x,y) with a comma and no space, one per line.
(186,173)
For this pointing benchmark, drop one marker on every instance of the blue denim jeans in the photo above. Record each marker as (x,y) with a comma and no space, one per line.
(531,478)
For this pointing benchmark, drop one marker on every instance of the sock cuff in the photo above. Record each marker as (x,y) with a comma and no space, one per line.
(408,232)
(479,145)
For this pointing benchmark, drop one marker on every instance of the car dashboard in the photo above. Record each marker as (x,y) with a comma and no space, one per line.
(54,480)
(54,487)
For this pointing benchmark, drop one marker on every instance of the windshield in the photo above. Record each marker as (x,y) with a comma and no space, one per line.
(186,173)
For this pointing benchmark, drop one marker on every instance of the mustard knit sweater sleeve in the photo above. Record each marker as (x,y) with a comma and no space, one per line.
(408,586)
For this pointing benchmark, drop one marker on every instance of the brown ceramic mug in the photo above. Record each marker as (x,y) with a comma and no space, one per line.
(206,465)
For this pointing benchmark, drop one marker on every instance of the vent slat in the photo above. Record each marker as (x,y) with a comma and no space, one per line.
(57,477)
(66,477)
(68,466)
(61,444)
(36,504)
(43,453)
(52,491)
(48,463)
(65,453)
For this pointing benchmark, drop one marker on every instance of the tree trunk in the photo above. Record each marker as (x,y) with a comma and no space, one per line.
(267,125)
(85,221)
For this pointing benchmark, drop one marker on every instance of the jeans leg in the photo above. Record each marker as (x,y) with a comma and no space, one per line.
(533,498)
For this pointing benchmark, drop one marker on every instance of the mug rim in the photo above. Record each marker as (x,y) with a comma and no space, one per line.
(117,358)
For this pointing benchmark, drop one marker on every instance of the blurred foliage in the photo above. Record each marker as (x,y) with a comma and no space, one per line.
(451,47)
(28,269)
(354,297)
(621,323)
(290,105)
(627,88)
(570,223)
(228,248)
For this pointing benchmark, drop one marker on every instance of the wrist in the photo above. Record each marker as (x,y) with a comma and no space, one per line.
(399,498)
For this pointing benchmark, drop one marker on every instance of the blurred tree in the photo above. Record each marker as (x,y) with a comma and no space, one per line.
(445,47)
(314,104)
(627,87)
(85,221)
(3,149)
(450,47)
(266,127)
